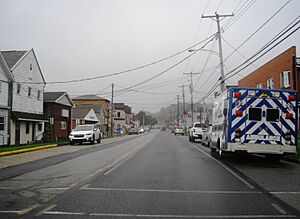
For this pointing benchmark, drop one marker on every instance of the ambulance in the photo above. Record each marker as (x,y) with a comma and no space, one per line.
(256,121)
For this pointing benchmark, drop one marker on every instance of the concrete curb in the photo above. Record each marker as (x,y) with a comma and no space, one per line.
(8,153)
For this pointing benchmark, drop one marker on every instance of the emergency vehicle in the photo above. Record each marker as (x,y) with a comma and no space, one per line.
(255,120)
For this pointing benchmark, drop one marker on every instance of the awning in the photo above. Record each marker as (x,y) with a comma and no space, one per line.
(21,116)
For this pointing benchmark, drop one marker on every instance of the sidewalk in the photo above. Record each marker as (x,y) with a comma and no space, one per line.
(16,159)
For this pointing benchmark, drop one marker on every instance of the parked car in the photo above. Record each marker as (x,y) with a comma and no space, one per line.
(179,131)
(85,133)
(206,139)
(196,132)
(141,131)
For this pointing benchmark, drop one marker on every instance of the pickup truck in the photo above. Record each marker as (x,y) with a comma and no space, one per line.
(196,132)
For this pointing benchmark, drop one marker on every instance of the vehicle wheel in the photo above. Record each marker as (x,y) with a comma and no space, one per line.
(274,158)
(192,139)
(174,133)
(93,140)
(182,134)
(71,143)
(99,139)
(208,144)
(220,152)
(213,152)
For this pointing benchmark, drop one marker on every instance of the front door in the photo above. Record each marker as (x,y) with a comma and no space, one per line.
(17,138)
(33,131)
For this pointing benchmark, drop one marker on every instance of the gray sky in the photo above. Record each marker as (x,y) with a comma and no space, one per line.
(82,39)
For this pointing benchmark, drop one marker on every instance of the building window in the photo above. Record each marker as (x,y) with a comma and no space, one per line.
(270,83)
(118,114)
(27,127)
(40,127)
(285,81)
(30,67)
(18,88)
(39,95)
(29,91)
(63,125)
(1,123)
(259,85)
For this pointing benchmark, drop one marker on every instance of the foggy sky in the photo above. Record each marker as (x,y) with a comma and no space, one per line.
(82,39)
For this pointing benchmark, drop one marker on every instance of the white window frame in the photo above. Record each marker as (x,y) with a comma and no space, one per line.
(63,125)
(38,95)
(259,85)
(18,88)
(270,83)
(29,91)
(285,79)
(2,123)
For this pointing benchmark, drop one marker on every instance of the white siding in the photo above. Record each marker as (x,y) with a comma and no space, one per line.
(22,73)
(3,134)
(4,88)
(65,101)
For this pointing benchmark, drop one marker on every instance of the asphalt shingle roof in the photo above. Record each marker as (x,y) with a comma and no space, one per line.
(52,96)
(89,97)
(79,113)
(12,57)
(96,108)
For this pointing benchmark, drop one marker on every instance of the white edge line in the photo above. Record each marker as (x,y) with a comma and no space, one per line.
(170,191)
(279,209)
(9,212)
(228,169)
(192,216)
(168,216)
(63,213)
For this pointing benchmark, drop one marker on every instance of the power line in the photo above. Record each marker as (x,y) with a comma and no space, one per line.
(124,71)
(168,69)
(259,28)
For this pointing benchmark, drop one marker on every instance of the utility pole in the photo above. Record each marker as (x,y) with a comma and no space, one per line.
(183,97)
(217,16)
(177,110)
(192,91)
(112,111)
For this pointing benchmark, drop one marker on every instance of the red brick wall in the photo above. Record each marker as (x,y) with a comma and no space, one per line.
(273,68)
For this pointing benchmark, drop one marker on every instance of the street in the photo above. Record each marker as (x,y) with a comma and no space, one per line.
(155,175)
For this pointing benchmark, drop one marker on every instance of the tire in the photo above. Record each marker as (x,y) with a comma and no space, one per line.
(71,143)
(99,139)
(192,139)
(93,140)
(274,158)
(213,152)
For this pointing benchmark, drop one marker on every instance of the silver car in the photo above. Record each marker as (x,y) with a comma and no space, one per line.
(179,131)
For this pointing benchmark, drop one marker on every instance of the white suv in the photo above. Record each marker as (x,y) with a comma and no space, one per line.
(196,132)
(85,133)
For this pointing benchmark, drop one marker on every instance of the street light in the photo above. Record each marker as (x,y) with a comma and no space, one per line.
(207,50)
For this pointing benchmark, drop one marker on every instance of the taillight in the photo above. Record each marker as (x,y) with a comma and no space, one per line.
(288,137)
(237,94)
(289,116)
(291,98)
(239,113)
(237,135)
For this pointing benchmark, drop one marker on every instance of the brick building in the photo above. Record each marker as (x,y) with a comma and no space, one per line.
(58,111)
(282,72)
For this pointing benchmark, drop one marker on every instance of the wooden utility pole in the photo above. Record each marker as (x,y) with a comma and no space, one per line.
(112,111)
(192,91)
(177,110)
(217,16)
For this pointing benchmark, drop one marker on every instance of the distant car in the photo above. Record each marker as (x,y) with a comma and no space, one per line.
(141,131)
(85,133)
(206,139)
(163,129)
(179,131)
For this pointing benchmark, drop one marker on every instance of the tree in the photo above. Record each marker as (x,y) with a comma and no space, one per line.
(148,119)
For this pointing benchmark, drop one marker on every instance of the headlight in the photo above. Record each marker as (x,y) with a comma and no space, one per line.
(89,133)
(71,135)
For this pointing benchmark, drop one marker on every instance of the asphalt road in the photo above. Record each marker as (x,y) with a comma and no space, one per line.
(157,175)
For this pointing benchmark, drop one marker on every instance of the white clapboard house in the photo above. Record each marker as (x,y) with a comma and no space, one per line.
(27,120)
